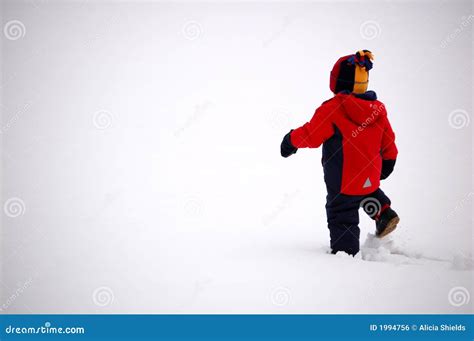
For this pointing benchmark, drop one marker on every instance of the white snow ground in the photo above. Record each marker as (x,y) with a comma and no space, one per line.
(143,143)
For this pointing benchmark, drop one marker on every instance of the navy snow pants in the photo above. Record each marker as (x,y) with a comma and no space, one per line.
(343,217)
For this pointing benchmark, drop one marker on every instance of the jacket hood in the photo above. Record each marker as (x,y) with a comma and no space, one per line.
(362,109)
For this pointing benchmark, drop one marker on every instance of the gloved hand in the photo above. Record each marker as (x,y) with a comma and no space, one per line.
(387,168)
(287,147)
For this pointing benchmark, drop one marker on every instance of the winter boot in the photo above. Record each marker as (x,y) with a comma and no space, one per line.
(386,222)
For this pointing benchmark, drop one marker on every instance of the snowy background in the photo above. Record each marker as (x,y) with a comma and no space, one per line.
(141,170)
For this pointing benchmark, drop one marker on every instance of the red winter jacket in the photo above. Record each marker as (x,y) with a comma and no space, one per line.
(357,136)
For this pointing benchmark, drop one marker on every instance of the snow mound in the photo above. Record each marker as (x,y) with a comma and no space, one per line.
(386,250)
(463,262)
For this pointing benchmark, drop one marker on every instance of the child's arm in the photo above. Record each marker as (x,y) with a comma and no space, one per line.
(389,151)
(310,135)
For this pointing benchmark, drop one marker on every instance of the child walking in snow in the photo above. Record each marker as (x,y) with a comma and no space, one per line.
(358,151)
